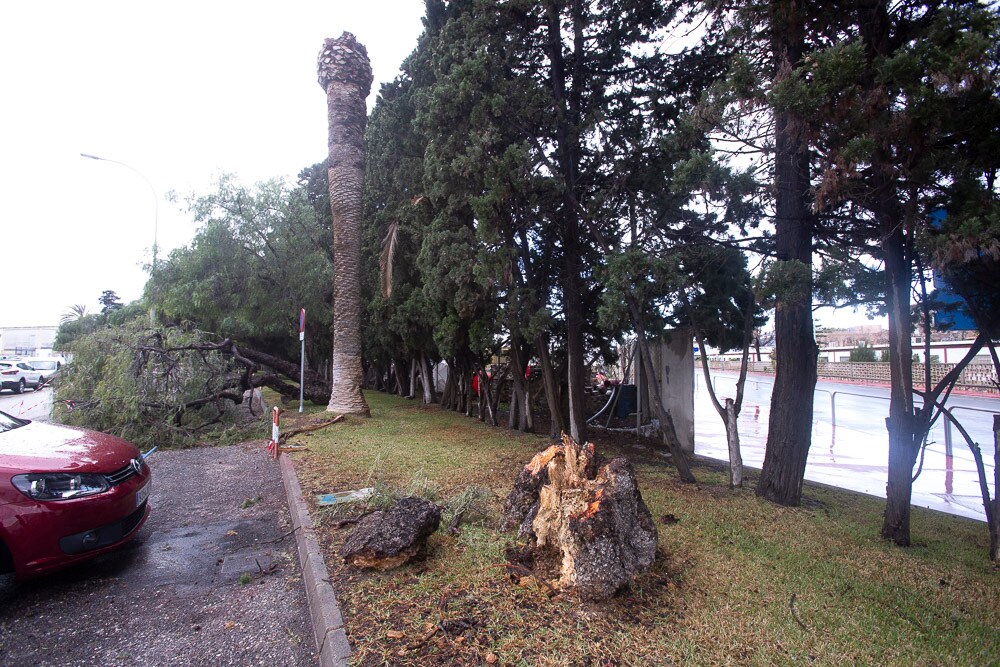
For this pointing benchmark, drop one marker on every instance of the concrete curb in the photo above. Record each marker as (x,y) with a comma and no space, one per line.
(328,624)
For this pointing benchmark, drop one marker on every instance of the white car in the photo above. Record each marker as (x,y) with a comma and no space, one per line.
(16,375)
(47,366)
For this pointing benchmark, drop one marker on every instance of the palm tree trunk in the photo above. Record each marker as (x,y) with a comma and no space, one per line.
(346,75)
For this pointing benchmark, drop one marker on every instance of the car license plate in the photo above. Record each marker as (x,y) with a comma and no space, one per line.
(142,494)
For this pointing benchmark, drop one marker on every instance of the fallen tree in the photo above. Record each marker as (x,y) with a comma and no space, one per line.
(170,385)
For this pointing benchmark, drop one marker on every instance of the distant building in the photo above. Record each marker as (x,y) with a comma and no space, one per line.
(27,341)
(835,345)
(942,352)
(870,334)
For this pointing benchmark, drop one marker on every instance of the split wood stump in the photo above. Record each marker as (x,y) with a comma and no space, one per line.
(586,515)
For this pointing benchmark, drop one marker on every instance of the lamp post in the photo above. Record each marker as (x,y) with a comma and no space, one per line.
(156,224)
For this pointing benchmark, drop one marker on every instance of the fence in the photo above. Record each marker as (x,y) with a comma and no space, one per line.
(975,376)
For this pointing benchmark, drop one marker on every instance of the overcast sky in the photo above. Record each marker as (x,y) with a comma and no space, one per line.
(181,92)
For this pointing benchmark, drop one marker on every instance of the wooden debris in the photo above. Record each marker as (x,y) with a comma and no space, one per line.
(386,539)
(587,517)
(288,433)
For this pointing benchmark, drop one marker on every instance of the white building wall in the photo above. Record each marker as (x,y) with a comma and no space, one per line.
(27,341)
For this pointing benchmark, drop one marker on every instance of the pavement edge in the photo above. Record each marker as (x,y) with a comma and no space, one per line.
(328,623)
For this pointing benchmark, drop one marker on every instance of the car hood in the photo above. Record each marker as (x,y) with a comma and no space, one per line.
(40,447)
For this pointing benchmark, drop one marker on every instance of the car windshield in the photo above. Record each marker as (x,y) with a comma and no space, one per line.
(43,365)
(8,423)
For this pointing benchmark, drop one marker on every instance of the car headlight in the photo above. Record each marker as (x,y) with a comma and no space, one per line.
(59,485)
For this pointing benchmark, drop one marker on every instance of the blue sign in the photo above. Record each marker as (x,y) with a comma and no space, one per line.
(956,317)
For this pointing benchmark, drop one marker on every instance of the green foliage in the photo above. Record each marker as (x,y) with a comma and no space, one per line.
(70,330)
(109,302)
(118,383)
(965,252)
(471,505)
(863,352)
(261,253)
(788,281)
(74,312)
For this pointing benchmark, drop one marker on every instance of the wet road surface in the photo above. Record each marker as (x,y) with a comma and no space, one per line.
(34,405)
(211,579)
(850,444)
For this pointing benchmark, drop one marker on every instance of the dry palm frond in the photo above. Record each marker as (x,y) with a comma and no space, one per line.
(388,257)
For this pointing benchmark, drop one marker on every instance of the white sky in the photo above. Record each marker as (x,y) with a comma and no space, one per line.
(179,91)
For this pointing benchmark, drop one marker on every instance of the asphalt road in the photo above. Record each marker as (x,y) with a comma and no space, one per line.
(211,579)
(34,405)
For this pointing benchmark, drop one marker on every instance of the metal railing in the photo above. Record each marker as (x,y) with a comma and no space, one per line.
(947,425)
(833,407)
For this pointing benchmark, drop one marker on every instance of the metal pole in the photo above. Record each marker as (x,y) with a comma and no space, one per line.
(302,356)
(947,438)
(833,408)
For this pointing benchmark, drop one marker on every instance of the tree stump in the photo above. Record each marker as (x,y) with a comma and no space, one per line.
(587,516)
(389,538)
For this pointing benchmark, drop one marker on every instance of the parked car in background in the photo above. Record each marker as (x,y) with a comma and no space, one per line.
(66,495)
(48,367)
(16,375)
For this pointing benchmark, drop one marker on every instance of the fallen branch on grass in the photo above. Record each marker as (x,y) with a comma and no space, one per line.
(791,607)
(351,521)
(306,429)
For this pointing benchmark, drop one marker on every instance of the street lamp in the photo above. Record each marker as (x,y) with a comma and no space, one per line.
(156,224)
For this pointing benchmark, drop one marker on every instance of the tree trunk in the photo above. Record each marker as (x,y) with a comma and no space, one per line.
(413,378)
(527,413)
(902,458)
(346,75)
(556,424)
(426,379)
(514,412)
(448,396)
(789,431)
(994,516)
(401,387)
(470,395)
(461,388)
(568,156)
(482,396)
(731,411)
(733,441)
(520,407)
(902,424)
(575,369)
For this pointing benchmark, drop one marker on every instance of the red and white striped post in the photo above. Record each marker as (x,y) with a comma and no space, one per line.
(273,447)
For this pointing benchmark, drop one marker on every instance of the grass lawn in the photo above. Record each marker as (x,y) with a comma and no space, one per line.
(737,580)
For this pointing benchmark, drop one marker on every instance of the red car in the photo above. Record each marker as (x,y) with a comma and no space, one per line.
(66,495)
